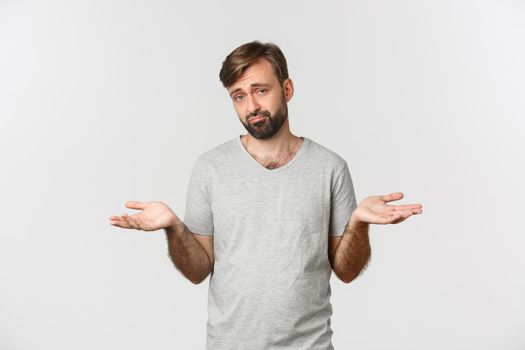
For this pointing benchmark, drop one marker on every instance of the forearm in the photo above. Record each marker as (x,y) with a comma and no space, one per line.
(187,254)
(353,251)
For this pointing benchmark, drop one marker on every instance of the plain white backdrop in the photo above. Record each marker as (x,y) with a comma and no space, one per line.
(107,101)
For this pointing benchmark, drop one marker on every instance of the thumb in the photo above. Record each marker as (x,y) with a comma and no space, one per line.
(392,196)
(135,205)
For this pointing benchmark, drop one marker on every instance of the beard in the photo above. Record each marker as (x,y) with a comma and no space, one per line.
(269,125)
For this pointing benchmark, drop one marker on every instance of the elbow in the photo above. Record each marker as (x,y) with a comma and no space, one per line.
(198,279)
(344,276)
(351,274)
(348,278)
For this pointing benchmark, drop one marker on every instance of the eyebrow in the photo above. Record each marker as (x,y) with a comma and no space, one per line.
(252,85)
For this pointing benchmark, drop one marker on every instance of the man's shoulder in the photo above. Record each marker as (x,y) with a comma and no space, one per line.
(325,155)
(219,153)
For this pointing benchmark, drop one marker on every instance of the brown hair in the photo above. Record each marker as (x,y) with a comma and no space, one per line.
(247,54)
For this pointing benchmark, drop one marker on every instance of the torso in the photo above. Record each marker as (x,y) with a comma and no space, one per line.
(270,284)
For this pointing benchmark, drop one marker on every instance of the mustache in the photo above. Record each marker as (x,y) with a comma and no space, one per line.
(259,114)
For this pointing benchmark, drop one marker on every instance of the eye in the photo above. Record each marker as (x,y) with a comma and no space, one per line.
(238,98)
(261,91)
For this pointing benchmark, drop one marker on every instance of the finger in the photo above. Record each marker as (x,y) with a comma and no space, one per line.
(130,221)
(389,218)
(136,205)
(402,216)
(139,222)
(406,207)
(392,196)
(409,212)
(136,219)
(399,217)
(118,221)
(133,219)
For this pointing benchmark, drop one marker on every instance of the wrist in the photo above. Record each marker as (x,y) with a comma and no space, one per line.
(175,226)
(359,231)
(356,223)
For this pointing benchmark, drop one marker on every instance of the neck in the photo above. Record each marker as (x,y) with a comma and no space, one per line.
(280,145)
(273,161)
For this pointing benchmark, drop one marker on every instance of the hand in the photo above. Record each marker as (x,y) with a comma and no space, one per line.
(154,216)
(374,210)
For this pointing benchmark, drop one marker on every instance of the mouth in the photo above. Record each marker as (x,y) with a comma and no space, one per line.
(256,119)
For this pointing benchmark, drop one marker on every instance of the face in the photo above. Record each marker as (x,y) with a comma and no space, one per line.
(260,101)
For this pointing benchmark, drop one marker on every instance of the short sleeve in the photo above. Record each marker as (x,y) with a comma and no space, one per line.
(342,202)
(198,216)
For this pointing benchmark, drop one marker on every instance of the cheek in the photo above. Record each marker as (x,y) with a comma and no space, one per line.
(276,106)
(278,100)
(239,110)
(242,114)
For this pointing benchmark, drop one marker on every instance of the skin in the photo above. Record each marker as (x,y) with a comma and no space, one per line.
(191,253)
(350,252)
(258,93)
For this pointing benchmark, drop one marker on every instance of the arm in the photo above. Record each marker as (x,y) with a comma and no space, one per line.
(192,256)
(350,252)
(187,254)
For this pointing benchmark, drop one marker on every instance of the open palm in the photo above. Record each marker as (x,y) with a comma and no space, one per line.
(374,209)
(154,216)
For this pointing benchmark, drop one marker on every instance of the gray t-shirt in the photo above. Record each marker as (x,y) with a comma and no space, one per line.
(270,285)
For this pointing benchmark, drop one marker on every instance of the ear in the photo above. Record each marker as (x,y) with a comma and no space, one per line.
(288,89)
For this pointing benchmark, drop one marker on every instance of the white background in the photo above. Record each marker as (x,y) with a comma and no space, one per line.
(107,101)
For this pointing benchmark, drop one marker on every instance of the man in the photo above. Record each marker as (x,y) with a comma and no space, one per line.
(268,215)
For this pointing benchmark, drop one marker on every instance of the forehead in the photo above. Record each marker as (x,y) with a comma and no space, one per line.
(258,73)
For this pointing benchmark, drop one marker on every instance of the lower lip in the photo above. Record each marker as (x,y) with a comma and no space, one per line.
(256,119)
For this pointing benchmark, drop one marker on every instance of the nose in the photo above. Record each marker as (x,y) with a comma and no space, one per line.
(253,105)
